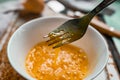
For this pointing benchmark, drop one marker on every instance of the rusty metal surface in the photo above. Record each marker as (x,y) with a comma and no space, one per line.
(6,70)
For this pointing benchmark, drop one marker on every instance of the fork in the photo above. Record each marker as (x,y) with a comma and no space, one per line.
(74,29)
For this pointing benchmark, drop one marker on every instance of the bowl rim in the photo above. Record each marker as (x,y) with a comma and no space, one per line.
(57,17)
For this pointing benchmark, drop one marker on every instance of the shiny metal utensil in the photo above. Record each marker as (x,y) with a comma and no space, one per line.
(68,10)
(74,29)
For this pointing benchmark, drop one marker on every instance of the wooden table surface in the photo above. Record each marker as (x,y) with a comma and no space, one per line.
(15,20)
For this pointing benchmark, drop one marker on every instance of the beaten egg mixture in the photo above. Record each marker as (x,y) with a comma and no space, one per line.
(64,63)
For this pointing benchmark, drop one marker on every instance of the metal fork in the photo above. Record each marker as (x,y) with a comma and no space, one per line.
(74,29)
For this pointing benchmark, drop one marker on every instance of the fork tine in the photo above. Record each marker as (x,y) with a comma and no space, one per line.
(46,36)
(58,45)
(58,40)
(63,42)
(54,38)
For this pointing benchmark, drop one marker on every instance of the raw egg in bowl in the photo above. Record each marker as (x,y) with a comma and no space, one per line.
(31,57)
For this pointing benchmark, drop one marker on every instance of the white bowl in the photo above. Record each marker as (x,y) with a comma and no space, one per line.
(32,32)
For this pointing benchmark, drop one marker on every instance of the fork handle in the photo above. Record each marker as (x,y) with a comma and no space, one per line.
(100,7)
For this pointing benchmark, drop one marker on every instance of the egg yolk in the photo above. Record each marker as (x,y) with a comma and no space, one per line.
(67,62)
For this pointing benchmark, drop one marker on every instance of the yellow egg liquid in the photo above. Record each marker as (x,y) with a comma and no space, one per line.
(67,62)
